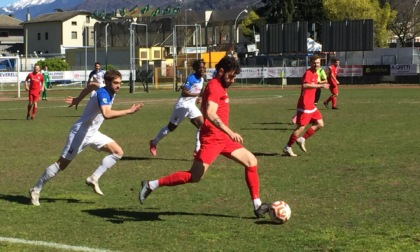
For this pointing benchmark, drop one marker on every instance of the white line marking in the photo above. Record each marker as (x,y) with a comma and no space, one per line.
(51,245)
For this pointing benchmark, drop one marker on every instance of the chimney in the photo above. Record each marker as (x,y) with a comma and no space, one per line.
(28,16)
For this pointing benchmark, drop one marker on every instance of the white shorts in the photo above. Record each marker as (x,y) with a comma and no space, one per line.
(181,112)
(78,141)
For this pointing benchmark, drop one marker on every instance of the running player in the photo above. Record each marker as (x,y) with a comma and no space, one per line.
(186,106)
(216,138)
(85,132)
(307,113)
(34,83)
(332,80)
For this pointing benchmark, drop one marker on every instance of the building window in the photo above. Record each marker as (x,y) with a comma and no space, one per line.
(87,20)
(39,36)
(4,34)
(74,35)
(92,38)
(74,23)
(46,36)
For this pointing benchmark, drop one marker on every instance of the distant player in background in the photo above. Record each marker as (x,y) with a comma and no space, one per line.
(307,113)
(322,79)
(34,83)
(332,80)
(85,132)
(47,83)
(216,138)
(98,73)
(186,106)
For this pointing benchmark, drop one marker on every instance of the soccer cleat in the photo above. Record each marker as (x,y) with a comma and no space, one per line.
(334,108)
(288,151)
(152,148)
(34,196)
(301,145)
(263,209)
(326,105)
(93,182)
(28,117)
(145,191)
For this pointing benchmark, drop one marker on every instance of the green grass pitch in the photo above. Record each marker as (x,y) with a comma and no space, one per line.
(357,188)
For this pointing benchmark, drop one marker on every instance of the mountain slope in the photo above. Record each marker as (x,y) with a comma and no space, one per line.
(38,7)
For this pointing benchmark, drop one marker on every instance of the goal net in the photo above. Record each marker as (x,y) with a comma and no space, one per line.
(10,79)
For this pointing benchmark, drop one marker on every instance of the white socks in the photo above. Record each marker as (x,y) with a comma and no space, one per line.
(153,184)
(162,133)
(257,203)
(107,163)
(48,174)
(197,140)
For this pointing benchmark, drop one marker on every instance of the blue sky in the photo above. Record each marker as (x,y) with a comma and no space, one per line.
(6,2)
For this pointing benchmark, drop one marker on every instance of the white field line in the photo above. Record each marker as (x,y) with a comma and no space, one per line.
(50,244)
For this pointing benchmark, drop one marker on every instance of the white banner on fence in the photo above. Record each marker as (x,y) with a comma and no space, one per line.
(57,76)
(404,69)
(246,73)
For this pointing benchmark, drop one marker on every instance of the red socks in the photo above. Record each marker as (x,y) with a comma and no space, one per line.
(176,178)
(292,140)
(309,133)
(252,181)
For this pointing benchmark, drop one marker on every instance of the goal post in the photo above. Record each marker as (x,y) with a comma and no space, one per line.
(10,73)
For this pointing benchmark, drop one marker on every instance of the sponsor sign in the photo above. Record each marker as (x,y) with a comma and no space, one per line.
(410,69)
(376,70)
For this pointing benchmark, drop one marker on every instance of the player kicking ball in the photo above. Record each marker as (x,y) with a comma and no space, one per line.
(216,138)
(85,132)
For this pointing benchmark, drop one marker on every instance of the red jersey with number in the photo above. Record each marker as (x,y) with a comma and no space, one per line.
(307,95)
(216,93)
(36,81)
(333,73)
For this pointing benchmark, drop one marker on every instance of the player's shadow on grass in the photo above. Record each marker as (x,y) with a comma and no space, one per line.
(12,119)
(262,154)
(25,200)
(68,116)
(152,158)
(118,216)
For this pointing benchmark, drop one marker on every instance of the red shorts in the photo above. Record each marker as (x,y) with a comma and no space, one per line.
(211,148)
(33,96)
(306,118)
(334,89)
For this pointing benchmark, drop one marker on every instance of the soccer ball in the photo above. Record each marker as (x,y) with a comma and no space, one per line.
(279,212)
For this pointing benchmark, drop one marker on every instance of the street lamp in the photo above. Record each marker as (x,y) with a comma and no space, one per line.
(236,28)
(412,22)
(186,41)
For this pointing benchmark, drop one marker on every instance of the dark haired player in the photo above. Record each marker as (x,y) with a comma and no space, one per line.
(186,106)
(216,138)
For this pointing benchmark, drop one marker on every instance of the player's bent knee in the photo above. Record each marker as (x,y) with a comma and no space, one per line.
(118,156)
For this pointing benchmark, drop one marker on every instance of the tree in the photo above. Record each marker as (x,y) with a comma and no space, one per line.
(54,64)
(403,27)
(338,10)
(248,24)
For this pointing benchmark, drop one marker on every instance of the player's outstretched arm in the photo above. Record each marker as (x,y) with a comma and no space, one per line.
(91,86)
(108,113)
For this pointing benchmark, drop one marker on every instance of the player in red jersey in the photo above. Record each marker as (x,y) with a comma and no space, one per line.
(216,138)
(332,80)
(34,83)
(307,113)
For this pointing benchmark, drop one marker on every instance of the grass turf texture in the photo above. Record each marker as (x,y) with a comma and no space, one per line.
(355,190)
